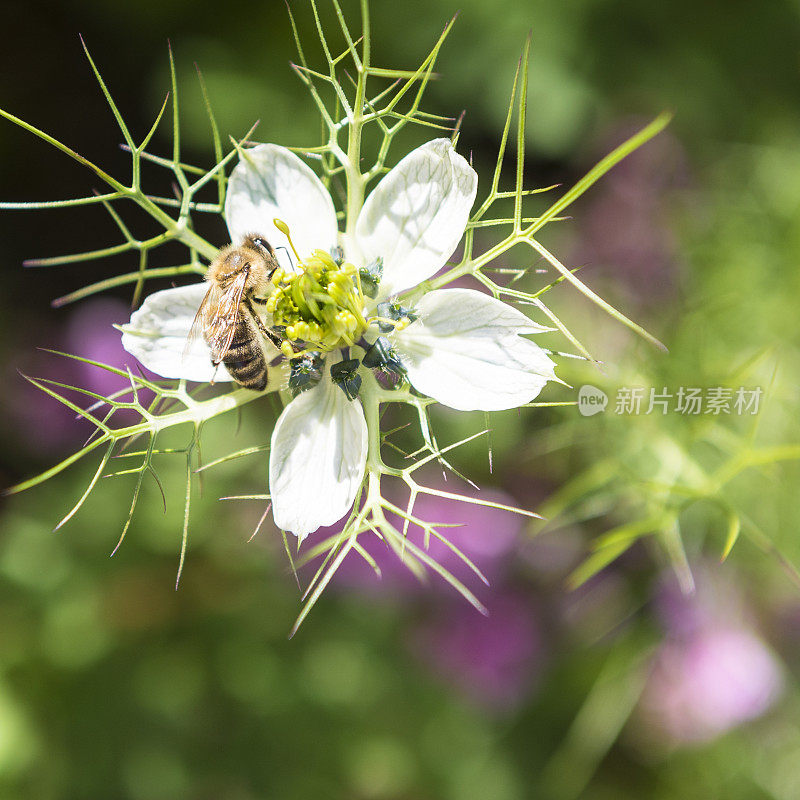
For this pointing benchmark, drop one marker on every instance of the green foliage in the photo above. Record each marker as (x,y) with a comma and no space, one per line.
(113,685)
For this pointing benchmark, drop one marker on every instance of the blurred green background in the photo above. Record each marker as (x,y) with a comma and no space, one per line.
(113,685)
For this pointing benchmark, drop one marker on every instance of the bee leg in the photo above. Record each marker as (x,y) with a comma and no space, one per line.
(270,334)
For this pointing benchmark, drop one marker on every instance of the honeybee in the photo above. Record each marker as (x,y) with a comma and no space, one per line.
(239,279)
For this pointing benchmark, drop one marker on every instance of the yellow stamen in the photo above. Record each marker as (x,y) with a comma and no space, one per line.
(320,304)
(284,229)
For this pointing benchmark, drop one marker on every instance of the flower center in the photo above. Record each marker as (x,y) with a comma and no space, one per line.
(320,304)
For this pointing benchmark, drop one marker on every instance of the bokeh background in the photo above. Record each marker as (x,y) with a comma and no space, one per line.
(114,685)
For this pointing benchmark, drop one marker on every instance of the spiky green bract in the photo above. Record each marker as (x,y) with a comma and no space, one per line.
(674,480)
(167,406)
(362,108)
(178,225)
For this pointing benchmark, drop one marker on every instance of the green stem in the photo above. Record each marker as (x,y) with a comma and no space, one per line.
(370,399)
(178,228)
(355,178)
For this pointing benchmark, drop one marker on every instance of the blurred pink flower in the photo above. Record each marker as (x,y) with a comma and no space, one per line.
(494,660)
(713,672)
(711,682)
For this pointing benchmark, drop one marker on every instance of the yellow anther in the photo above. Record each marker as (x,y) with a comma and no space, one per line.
(336,294)
(320,304)
(287,349)
(341,278)
(284,229)
(325,258)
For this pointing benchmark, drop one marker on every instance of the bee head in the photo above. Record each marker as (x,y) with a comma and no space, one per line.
(261,245)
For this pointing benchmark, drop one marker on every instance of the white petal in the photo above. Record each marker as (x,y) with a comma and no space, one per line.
(416,215)
(270,181)
(466,352)
(158,332)
(316,464)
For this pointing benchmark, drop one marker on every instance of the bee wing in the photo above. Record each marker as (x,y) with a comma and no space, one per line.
(202,317)
(220,319)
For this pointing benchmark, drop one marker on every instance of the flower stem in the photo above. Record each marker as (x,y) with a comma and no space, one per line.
(371,394)
(355,178)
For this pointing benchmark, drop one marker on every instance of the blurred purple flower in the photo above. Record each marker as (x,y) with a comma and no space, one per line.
(487,536)
(624,230)
(713,672)
(89,334)
(47,425)
(494,660)
(716,602)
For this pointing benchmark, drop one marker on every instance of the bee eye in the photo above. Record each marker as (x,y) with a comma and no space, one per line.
(261,242)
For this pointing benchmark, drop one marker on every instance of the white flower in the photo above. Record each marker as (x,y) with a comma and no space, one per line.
(463,348)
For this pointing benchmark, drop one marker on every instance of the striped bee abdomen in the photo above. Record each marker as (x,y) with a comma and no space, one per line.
(245,360)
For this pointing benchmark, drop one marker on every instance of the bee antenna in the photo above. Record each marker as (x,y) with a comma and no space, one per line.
(286,250)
